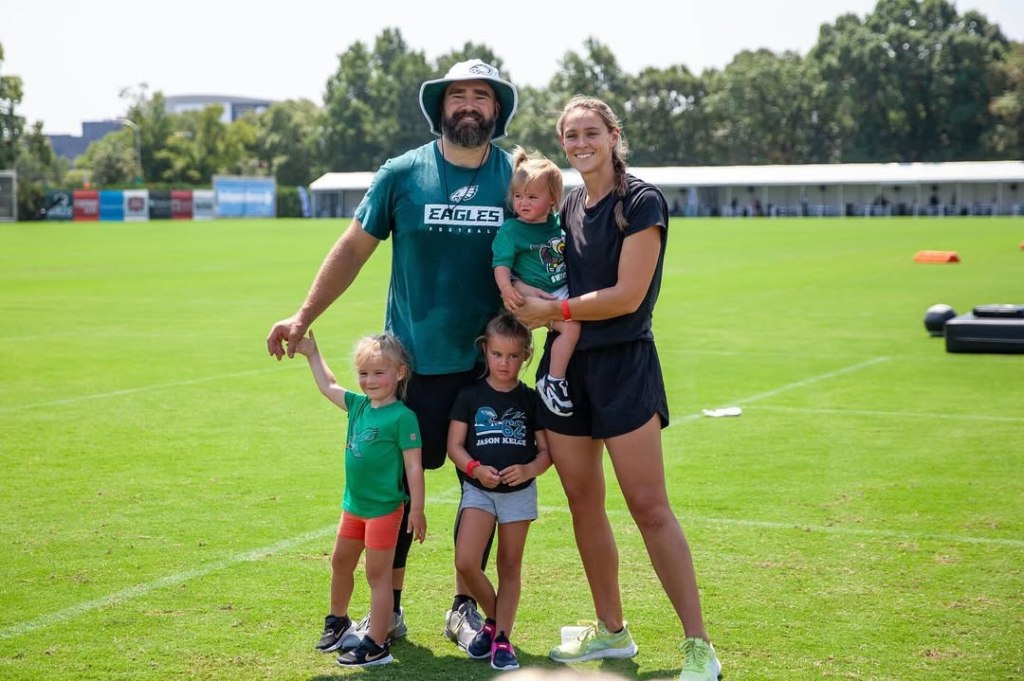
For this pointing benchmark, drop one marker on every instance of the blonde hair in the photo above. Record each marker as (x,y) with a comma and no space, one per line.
(527,167)
(506,326)
(387,347)
(620,152)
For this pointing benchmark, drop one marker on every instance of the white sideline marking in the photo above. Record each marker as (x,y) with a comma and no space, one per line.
(449,499)
(132,391)
(170,580)
(826,529)
(899,414)
(789,386)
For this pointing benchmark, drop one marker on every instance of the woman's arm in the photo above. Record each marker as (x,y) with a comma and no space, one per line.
(637,263)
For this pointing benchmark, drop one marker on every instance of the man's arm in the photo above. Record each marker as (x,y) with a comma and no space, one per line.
(338,271)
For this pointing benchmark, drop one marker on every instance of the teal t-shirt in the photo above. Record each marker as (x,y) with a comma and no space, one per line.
(443,218)
(374,462)
(534,252)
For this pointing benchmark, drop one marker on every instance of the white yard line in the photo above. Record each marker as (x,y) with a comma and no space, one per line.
(449,499)
(789,386)
(170,580)
(132,391)
(898,414)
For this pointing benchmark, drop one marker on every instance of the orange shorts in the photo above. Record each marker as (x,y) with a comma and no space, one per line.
(379,534)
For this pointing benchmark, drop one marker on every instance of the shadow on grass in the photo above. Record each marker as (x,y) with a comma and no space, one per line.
(418,662)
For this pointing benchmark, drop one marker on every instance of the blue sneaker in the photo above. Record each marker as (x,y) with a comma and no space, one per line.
(503,655)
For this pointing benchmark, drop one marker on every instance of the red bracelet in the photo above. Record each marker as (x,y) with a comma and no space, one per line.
(566,315)
(471,466)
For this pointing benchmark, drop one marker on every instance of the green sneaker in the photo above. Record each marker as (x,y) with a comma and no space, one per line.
(699,661)
(595,642)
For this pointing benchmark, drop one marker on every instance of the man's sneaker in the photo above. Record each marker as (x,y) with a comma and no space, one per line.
(699,661)
(335,630)
(554,392)
(503,655)
(595,642)
(462,624)
(355,635)
(480,647)
(366,654)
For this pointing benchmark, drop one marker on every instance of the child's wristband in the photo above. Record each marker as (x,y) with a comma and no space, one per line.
(471,466)
(566,315)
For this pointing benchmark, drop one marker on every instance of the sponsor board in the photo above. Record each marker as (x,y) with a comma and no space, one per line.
(136,205)
(86,205)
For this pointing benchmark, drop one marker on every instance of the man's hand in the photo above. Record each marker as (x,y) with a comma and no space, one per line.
(284,337)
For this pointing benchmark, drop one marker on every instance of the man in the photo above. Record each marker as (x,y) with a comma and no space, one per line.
(442,202)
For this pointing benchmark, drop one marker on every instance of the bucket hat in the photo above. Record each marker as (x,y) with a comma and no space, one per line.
(432,94)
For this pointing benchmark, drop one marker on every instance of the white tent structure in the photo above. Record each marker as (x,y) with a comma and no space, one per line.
(338,195)
(871,189)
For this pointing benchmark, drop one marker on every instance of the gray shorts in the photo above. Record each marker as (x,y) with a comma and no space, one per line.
(506,507)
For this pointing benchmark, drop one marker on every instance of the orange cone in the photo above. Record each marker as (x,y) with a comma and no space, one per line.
(937,256)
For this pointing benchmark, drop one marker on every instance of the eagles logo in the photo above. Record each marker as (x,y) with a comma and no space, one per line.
(483,70)
(368,435)
(464,194)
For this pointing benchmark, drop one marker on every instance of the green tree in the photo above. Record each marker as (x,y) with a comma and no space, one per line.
(201,146)
(288,141)
(111,159)
(1006,137)
(762,109)
(372,103)
(533,128)
(156,126)
(668,124)
(596,74)
(470,50)
(38,168)
(912,82)
(11,124)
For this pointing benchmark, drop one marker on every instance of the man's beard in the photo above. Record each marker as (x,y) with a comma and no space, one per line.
(465,133)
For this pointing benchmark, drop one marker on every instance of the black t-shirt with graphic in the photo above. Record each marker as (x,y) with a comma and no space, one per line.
(501,427)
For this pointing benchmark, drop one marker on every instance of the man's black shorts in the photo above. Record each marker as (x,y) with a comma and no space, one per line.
(430,397)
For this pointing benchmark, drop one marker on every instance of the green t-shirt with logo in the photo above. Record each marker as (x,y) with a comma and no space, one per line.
(374,462)
(443,218)
(534,252)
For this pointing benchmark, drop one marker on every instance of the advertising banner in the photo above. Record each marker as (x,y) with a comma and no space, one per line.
(237,196)
(202,204)
(58,204)
(160,204)
(86,204)
(136,205)
(111,205)
(181,204)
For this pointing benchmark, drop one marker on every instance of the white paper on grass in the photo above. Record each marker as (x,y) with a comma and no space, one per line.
(723,411)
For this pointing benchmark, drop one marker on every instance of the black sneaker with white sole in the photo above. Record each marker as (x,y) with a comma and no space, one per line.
(335,630)
(554,392)
(367,654)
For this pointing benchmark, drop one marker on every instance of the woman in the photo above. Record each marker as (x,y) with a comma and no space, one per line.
(615,233)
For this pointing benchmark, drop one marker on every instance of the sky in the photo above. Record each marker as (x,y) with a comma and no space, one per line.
(75,58)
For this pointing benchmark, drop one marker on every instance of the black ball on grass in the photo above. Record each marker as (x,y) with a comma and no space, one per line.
(936,317)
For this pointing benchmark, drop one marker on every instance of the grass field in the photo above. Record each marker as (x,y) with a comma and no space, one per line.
(169,492)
